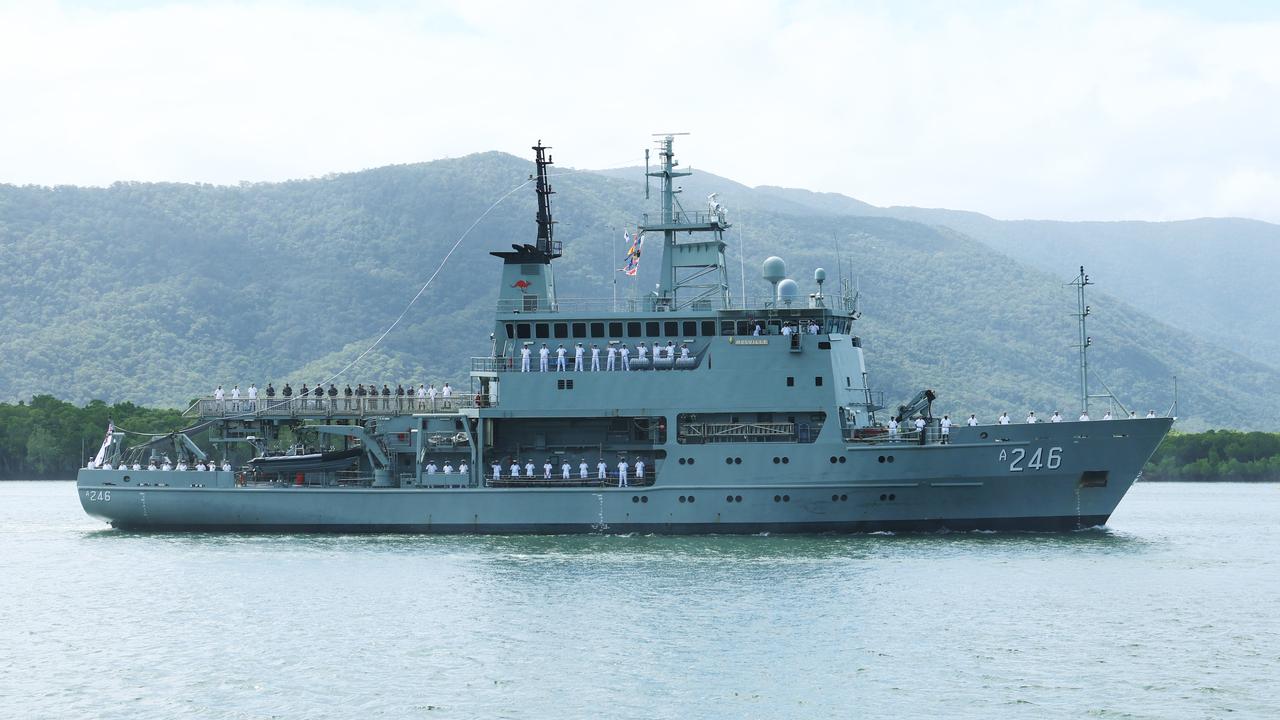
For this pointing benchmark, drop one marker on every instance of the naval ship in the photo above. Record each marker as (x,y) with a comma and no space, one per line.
(707,414)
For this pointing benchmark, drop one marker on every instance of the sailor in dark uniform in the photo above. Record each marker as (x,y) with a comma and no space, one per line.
(346,394)
(386,397)
(319,395)
(271,391)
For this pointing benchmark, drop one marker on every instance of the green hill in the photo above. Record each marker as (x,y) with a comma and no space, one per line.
(154,293)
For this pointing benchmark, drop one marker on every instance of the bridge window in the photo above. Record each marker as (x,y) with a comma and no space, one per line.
(651,328)
(633,329)
(597,329)
(579,330)
(522,331)
(690,328)
(511,330)
(562,330)
(541,330)
(615,329)
(671,328)
(726,327)
(708,328)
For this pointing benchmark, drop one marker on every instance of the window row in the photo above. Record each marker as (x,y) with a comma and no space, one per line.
(638,329)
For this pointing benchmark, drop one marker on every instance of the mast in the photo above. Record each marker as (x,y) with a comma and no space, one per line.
(546,226)
(1082,312)
(693,272)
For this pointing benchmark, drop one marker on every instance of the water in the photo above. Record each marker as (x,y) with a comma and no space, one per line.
(1171,613)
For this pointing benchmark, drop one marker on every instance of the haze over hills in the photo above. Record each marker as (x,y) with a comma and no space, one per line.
(155,292)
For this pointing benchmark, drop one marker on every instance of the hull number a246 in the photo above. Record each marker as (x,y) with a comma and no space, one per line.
(1019,459)
(98,495)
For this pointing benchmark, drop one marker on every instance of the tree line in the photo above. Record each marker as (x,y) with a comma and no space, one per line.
(1216,455)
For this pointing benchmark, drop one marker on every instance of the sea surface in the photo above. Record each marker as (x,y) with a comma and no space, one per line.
(1172,611)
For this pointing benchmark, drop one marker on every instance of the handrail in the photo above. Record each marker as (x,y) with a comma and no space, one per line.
(312,406)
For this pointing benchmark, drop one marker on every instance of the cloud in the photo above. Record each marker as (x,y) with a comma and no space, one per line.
(1061,109)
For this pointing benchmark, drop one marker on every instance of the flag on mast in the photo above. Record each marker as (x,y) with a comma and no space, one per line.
(106,444)
(634,246)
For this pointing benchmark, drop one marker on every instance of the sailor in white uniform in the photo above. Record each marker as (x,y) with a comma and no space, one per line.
(1031,418)
(577,358)
(497,471)
(640,469)
(446,392)
(431,468)
(462,467)
(641,351)
(1084,417)
(515,469)
(595,358)
(524,359)
(543,354)
(448,468)
(920,423)
(684,352)
(253,396)
(582,469)
(622,473)
(528,469)
(893,426)
(1004,418)
(973,420)
(1106,415)
(546,470)
(602,470)
(564,470)
(1151,413)
(235,398)
(946,428)
(1057,417)
(626,357)
(560,358)
(612,353)
(226,466)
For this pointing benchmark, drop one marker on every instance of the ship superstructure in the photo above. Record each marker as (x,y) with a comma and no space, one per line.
(682,411)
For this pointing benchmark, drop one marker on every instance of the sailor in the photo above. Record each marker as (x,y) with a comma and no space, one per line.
(235,398)
(542,358)
(166,465)
(920,423)
(946,428)
(582,469)
(1133,415)
(1151,413)
(756,329)
(560,358)
(602,470)
(1057,417)
(973,420)
(217,394)
(528,468)
(199,466)
(287,391)
(431,467)
(462,467)
(524,359)
(641,351)
(786,329)
(1107,415)
(564,470)
(226,465)
(1031,418)
(893,427)
(612,352)
(333,394)
(386,396)
(151,465)
(304,393)
(671,350)
(1084,416)
(546,470)
(448,468)
(595,358)
(182,465)
(622,472)
(138,466)
(431,395)
(271,391)
(577,358)
(446,392)
(497,471)
(684,351)
(1004,418)
(640,468)
(319,394)
(626,357)
(347,392)
(813,327)
(515,469)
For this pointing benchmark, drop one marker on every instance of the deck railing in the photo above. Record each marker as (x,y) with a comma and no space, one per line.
(325,406)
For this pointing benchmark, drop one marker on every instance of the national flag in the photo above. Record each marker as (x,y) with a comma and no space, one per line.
(632,263)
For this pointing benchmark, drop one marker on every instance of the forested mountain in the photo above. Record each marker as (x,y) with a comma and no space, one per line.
(154,293)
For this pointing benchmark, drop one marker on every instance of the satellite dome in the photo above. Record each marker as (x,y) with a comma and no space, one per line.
(774,269)
(819,275)
(788,291)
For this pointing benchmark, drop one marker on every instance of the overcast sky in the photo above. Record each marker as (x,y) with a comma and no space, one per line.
(1063,110)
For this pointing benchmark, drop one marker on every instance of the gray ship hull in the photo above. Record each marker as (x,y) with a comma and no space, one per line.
(1059,476)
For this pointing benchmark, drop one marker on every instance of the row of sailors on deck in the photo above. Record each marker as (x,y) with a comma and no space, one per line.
(165,464)
(612,355)
(431,468)
(566,471)
(427,392)
(788,329)
(945,424)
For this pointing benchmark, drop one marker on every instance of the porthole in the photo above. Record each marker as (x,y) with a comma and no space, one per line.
(777,498)
(691,460)
(890,458)
(786,498)
(884,497)
(835,498)
(681,498)
(785,460)
(728,498)
(880,459)
(842,458)
(844,498)
(728,461)
(635,498)
(737,461)
(692,498)
(892,496)
(644,498)
(737,498)
(776,459)
(982,435)
(681,461)
(833,459)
